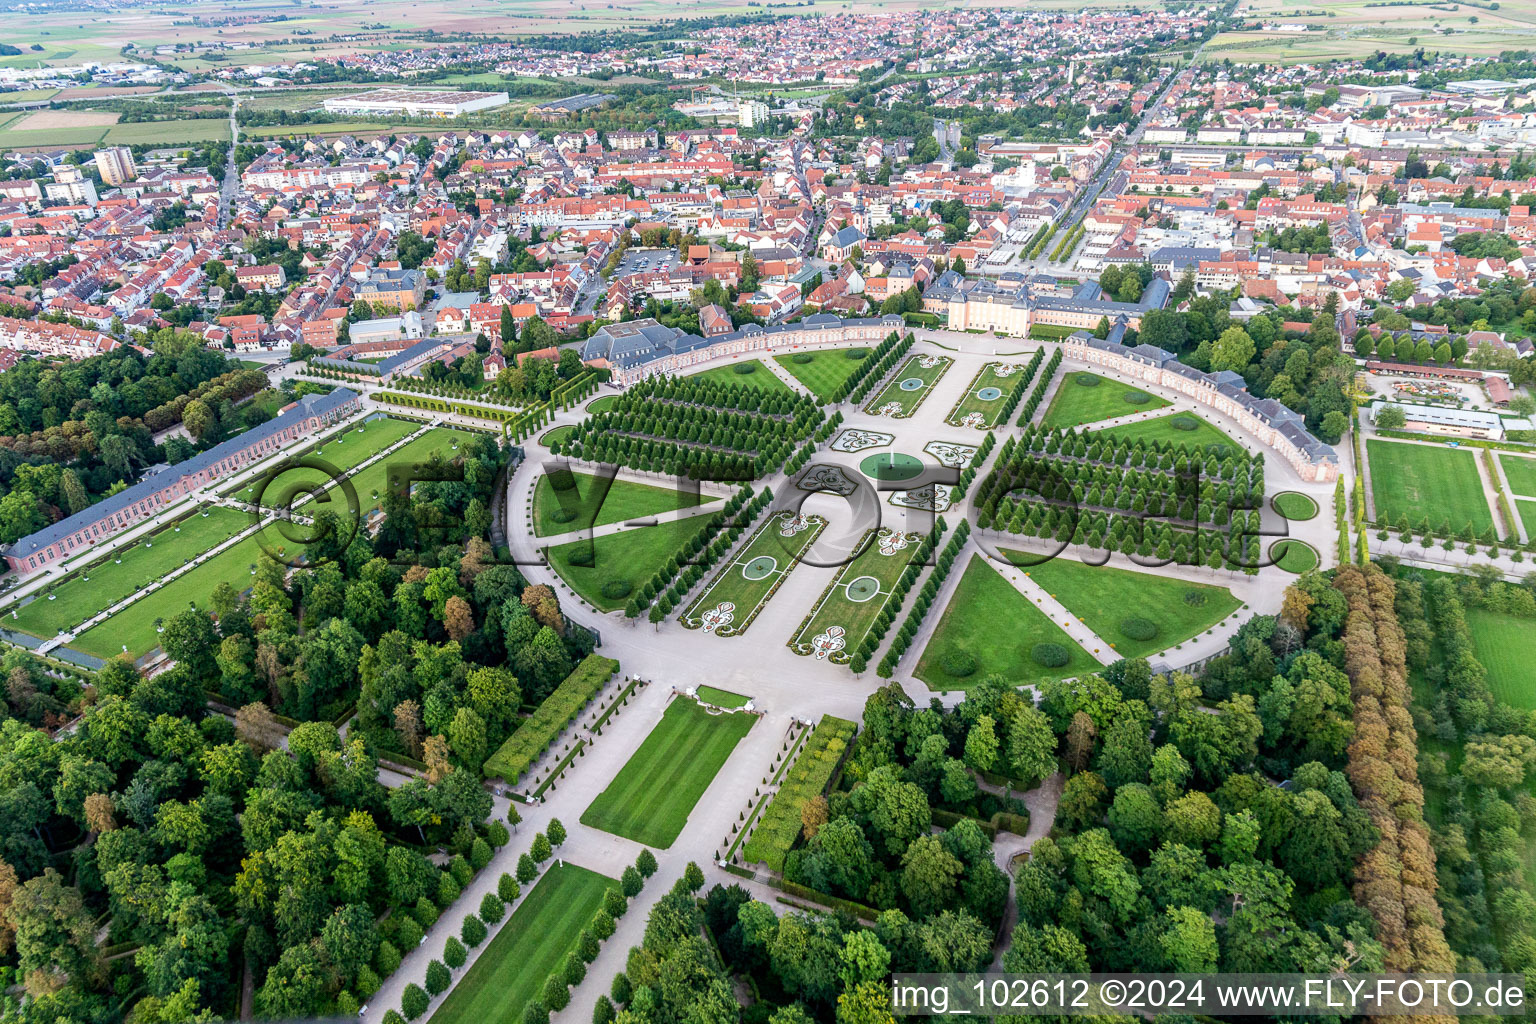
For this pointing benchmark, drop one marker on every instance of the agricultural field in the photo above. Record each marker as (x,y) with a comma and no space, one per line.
(1118,604)
(625,500)
(1506,645)
(1087,397)
(740,589)
(527,949)
(1358,28)
(912,382)
(847,609)
(990,627)
(987,395)
(650,799)
(752,372)
(621,562)
(824,371)
(1173,430)
(16,134)
(1431,481)
(1521,473)
(133,568)
(344,450)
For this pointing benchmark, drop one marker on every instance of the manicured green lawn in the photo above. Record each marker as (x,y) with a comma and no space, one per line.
(826,370)
(1506,645)
(1423,480)
(1294,505)
(906,400)
(1162,429)
(749,580)
(1521,472)
(624,501)
(372,482)
(530,946)
(344,451)
(1077,401)
(1104,597)
(758,377)
(722,698)
(629,556)
(1525,508)
(861,588)
(109,582)
(604,403)
(988,394)
(1293,556)
(650,799)
(992,622)
(550,437)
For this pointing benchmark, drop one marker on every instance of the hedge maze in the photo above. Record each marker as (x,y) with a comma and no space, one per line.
(695,428)
(1154,499)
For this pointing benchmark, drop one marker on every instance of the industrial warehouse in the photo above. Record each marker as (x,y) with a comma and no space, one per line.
(415,102)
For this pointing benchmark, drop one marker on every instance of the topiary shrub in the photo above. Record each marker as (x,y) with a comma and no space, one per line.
(744,368)
(1050,655)
(386,958)
(1087,380)
(491,908)
(1136,397)
(855,353)
(407,932)
(439,977)
(957,663)
(1195,598)
(801,358)
(473,931)
(581,557)
(454,953)
(1184,423)
(563,515)
(1138,628)
(616,590)
(562,479)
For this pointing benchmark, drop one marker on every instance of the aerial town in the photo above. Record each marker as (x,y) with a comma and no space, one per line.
(719,512)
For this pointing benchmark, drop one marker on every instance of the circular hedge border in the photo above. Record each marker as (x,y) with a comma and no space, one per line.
(856,353)
(1311,553)
(1284,498)
(562,515)
(1136,397)
(958,664)
(1137,628)
(1050,655)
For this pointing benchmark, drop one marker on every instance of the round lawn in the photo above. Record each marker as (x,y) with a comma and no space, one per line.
(551,437)
(759,567)
(893,466)
(603,404)
(863,589)
(1293,556)
(1294,505)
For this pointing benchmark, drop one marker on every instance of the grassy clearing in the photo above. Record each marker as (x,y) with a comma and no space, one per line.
(755,375)
(142,564)
(1526,509)
(998,627)
(1162,429)
(1104,598)
(722,698)
(650,799)
(825,371)
(750,579)
(920,373)
(624,501)
(1087,397)
(1422,480)
(527,949)
(1506,646)
(1521,473)
(861,588)
(372,482)
(629,557)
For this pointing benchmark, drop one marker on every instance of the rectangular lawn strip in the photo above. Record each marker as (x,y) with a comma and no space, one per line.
(629,556)
(1104,597)
(1521,472)
(1525,508)
(650,799)
(1506,645)
(1075,404)
(344,450)
(741,586)
(371,483)
(1420,480)
(826,370)
(835,608)
(78,598)
(530,946)
(991,409)
(624,501)
(1161,428)
(134,626)
(989,620)
(758,377)
(721,698)
(910,400)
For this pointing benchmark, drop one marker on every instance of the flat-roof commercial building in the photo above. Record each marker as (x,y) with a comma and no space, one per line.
(415,102)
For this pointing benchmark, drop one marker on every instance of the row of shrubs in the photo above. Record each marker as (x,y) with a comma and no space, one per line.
(873,367)
(539,729)
(1035,396)
(925,599)
(781,824)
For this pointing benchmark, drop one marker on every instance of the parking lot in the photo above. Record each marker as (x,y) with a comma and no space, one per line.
(646,261)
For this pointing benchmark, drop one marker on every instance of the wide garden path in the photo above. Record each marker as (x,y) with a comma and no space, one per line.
(1054,610)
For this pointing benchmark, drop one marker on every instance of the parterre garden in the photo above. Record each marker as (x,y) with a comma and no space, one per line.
(910,385)
(841,626)
(751,578)
(1085,397)
(994,393)
(1428,488)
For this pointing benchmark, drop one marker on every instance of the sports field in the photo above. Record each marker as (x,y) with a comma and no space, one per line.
(1087,397)
(913,381)
(1506,645)
(1419,480)
(528,948)
(344,450)
(862,587)
(1521,472)
(987,395)
(141,565)
(747,582)
(624,501)
(1168,429)
(625,559)
(650,799)
(751,373)
(1117,603)
(823,372)
(990,627)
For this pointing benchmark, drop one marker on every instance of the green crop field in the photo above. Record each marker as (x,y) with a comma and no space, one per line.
(1162,429)
(528,948)
(1506,645)
(344,450)
(1087,397)
(987,394)
(1521,473)
(105,584)
(997,627)
(919,374)
(625,500)
(825,371)
(758,376)
(750,579)
(1420,480)
(650,799)
(628,557)
(1104,598)
(853,600)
